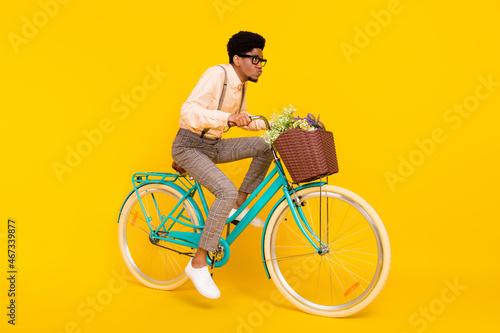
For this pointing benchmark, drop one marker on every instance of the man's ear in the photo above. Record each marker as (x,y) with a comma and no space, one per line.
(236,60)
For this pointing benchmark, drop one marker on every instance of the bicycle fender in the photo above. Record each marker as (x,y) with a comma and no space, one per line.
(177,188)
(271,214)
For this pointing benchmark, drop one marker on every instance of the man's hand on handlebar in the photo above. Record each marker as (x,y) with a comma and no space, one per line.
(243,119)
(240,120)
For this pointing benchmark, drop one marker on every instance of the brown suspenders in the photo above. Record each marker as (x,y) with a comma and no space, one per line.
(221,99)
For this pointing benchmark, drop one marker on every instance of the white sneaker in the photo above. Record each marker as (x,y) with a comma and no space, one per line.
(257,222)
(202,281)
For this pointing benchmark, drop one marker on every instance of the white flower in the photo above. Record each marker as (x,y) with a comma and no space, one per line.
(283,122)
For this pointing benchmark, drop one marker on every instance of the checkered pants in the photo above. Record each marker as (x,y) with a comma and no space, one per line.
(199,156)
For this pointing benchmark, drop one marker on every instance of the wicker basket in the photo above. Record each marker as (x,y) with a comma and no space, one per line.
(307,155)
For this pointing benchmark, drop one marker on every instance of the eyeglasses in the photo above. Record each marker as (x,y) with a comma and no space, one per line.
(255,59)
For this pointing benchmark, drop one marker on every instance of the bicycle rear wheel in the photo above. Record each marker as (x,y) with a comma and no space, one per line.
(353,262)
(155,263)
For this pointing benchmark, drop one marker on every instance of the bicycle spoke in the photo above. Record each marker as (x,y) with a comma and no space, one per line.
(291,241)
(349,263)
(352,227)
(136,250)
(352,289)
(136,241)
(305,284)
(162,258)
(357,248)
(135,224)
(169,255)
(366,262)
(329,274)
(317,283)
(334,272)
(332,288)
(147,232)
(329,260)
(139,252)
(311,218)
(290,257)
(299,237)
(136,216)
(347,270)
(173,258)
(288,234)
(342,231)
(361,240)
(342,220)
(337,211)
(357,232)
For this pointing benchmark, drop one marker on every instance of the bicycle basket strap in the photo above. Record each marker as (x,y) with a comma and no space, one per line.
(221,99)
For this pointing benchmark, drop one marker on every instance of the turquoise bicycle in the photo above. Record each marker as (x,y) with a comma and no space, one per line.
(324,247)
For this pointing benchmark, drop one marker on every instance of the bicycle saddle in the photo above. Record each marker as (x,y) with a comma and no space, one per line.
(178,168)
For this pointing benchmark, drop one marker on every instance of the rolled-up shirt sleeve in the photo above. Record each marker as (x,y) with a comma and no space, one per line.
(195,110)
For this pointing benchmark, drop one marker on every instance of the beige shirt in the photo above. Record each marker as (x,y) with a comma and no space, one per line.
(200,109)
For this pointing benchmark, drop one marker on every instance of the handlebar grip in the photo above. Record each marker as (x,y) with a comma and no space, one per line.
(264,119)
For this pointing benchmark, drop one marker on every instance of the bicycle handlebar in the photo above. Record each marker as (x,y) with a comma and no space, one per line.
(263,118)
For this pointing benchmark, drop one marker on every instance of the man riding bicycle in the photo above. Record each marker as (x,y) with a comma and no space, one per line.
(218,101)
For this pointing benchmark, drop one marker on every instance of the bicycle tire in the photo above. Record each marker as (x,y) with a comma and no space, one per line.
(348,279)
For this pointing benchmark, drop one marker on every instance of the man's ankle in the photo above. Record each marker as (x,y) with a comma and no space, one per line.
(199,260)
(197,264)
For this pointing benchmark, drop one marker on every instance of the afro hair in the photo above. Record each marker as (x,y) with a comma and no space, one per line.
(243,42)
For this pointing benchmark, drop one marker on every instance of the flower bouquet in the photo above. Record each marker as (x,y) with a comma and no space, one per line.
(306,148)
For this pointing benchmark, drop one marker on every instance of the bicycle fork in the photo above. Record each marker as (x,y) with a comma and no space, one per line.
(303,224)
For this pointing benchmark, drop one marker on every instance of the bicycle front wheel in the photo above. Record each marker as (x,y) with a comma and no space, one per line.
(155,263)
(343,272)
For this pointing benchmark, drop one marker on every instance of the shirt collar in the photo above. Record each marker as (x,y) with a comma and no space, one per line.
(233,78)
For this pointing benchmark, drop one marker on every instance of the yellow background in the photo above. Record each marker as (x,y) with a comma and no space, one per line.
(395,89)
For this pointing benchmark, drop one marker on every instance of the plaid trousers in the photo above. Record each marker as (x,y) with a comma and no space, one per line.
(199,156)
